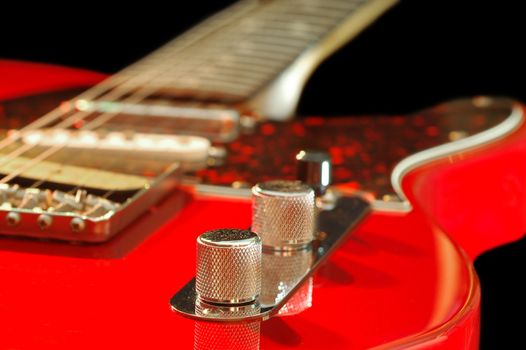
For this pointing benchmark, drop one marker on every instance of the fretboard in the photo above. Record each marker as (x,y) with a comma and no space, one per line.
(234,55)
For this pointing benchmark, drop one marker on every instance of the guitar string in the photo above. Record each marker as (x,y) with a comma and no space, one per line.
(113,81)
(51,151)
(101,120)
(97,121)
(220,18)
(42,120)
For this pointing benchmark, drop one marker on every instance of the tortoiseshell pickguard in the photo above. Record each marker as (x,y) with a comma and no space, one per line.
(364,149)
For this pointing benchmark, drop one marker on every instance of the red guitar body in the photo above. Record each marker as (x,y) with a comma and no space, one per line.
(403,280)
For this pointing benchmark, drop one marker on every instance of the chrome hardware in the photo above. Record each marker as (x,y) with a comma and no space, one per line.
(44,221)
(235,335)
(191,149)
(283,213)
(315,169)
(282,270)
(300,300)
(12,218)
(212,122)
(333,227)
(80,203)
(228,266)
(81,215)
(78,225)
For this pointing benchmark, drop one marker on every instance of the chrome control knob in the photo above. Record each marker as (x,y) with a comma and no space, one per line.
(284,213)
(315,169)
(228,266)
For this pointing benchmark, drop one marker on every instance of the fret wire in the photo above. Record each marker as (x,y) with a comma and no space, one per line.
(284,24)
(264,30)
(264,51)
(344,5)
(230,87)
(261,57)
(271,48)
(206,28)
(189,69)
(291,45)
(214,48)
(347,2)
(235,68)
(286,32)
(258,48)
(242,85)
(278,50)
(209,49)
(242,66)
(245,59)
(311,18)
(320,16)
(233,78)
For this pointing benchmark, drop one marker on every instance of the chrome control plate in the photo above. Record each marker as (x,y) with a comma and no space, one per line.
(333,227)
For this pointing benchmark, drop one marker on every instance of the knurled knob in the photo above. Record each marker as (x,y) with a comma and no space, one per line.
(228,266)
(283,213)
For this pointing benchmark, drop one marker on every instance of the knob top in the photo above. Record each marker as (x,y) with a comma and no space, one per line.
(282,188)
(228,238)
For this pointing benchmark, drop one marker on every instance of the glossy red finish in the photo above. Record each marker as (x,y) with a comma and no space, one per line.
(476,196)
(25,78)
(398,282)
(382,286)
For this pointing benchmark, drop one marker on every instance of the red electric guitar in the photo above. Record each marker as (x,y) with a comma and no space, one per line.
(103,192)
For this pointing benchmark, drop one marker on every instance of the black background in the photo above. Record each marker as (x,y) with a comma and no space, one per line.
(420,53)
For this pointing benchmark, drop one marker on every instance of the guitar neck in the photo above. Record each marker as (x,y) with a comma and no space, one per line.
(250,53)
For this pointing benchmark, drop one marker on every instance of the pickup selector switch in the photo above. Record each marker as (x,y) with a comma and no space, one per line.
(314,167)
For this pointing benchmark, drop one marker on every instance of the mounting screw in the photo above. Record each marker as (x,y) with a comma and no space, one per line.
(12,218)
(78,225)
(44,221)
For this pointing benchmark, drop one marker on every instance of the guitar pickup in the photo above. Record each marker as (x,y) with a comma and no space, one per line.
(174,148)
(159,117)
